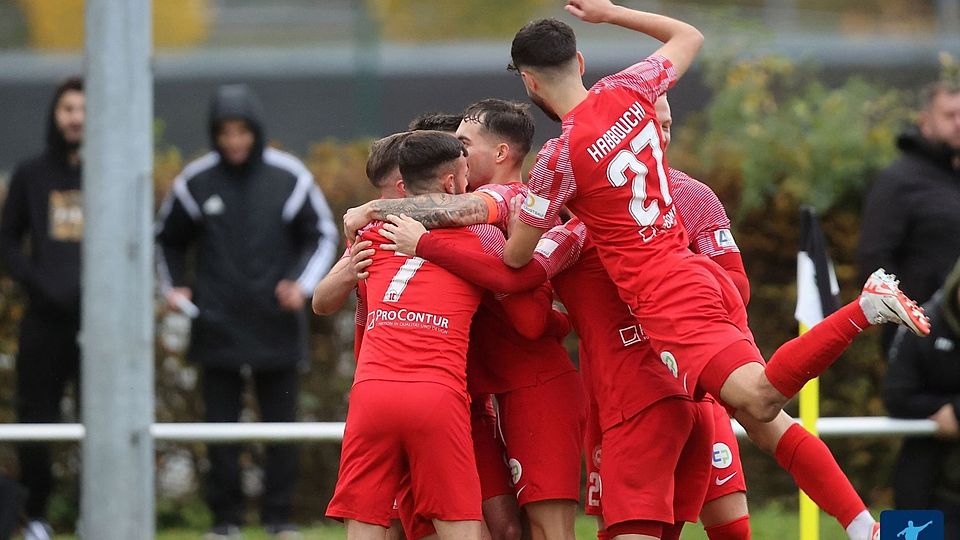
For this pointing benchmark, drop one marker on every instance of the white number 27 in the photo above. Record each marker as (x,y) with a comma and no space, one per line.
(645,214)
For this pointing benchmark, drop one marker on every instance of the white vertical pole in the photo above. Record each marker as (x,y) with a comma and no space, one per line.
(117,276)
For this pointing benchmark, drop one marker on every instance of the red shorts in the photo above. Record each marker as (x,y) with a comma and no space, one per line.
(655,464)
(591,450)
(489,450)
(542,428)
(693,315)
(394,428)
(727,474)
(414,525)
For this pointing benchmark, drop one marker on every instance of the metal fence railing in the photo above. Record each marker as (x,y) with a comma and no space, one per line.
(853,426)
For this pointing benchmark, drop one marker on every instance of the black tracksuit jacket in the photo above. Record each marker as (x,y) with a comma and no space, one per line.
(251,226)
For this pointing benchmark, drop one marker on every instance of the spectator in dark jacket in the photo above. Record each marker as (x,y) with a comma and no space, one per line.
(923,381)
(264,237)
(40,232)
(911,218)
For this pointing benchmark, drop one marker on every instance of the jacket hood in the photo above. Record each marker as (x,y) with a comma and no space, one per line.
(237,102)
(57,145)
(912,141)
(949,308)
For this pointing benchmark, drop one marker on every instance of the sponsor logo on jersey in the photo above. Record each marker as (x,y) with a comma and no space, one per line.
(724,239)
(406,318)
(721,456)
(650,232)
(546,247)
(670,361)
(536,205)
(214,205)
(630,335)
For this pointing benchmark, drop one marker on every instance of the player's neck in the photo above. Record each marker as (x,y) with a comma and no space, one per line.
(568,98)
(507,176)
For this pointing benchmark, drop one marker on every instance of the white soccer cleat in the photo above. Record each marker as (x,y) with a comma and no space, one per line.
(875,534)
(882,301)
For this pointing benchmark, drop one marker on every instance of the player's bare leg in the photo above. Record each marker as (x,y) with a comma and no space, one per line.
(458,530)
(635,537)
(760,392)
(502,517)
(358,530)
(395,532)
(748,390)
(552,520)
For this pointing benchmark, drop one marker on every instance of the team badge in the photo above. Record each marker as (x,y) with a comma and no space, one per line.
(670,361)
(516,471)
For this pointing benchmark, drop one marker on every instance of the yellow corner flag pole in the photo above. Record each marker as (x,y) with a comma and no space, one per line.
(809,413)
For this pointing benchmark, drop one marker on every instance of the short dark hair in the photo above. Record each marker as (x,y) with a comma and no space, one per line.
(544,43)
(384,158)
(423,154)
(436,121)
(508,119)
(930,91)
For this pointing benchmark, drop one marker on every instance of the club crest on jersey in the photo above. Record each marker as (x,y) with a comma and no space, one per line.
(721,456)
(670,361)
(536,206)
(724,239)
(596,455)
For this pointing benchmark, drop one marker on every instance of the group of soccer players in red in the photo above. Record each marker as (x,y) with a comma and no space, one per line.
(467,419)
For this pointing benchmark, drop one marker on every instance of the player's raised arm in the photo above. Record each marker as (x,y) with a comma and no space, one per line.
(434,211)
(681,41)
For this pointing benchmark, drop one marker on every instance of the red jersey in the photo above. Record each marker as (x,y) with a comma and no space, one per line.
(608,167)
(624,373)
(703,216)
(418,320)
(500,359)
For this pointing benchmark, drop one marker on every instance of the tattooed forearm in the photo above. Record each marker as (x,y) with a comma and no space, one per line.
(435,210)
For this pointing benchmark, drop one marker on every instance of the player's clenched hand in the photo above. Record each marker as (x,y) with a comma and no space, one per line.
(592,11)
(361,256)
(404,232)
(355,219)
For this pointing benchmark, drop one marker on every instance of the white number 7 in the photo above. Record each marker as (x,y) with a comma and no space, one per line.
(645,215)
(400,280)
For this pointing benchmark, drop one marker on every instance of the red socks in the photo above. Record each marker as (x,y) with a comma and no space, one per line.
(807,356)
(814,469)
(738,529)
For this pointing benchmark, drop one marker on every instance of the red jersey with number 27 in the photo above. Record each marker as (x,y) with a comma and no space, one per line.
(418,316)
(608,167)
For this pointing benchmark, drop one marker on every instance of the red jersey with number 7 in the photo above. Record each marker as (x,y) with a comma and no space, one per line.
(418,317)
(608,167)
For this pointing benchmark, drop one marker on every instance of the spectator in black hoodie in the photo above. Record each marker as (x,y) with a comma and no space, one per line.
(264,237)
(923,381)
(911,218)
(40,232)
